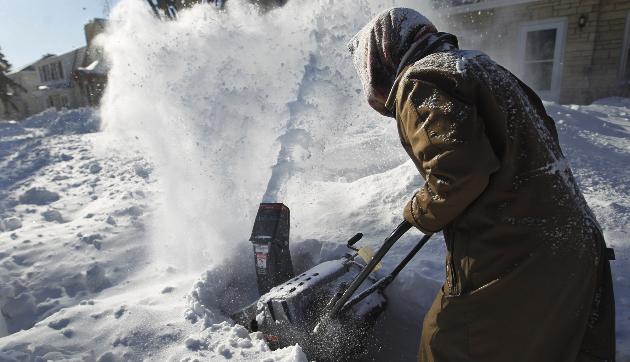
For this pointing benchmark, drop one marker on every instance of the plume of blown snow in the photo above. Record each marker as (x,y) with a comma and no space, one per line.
(210,99)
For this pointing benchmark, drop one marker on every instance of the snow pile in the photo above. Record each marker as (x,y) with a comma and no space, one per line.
(47,182)
(252,347)
(11,128)
(76,121)
(74,259)
(57,244)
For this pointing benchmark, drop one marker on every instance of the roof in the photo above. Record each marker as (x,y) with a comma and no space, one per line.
(33,66)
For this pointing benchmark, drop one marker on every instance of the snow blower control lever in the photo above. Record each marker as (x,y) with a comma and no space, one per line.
(342,302)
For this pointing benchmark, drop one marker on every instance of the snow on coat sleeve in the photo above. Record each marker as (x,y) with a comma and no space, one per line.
(446,139)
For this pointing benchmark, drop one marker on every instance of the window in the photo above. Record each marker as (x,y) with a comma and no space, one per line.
(542,50)
(51,72)
(625,53)
(539,56)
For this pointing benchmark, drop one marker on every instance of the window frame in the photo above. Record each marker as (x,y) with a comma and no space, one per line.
(560,24)
(624,70)
(51,72)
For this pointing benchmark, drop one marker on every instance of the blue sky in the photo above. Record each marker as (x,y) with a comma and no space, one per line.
(32,28)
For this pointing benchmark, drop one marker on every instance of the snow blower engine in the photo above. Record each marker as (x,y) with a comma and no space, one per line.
(330,309)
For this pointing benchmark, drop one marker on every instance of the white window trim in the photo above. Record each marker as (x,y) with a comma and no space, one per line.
(624,73)
(482,5)
(556,75)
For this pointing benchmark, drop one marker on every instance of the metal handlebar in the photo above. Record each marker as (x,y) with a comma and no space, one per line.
(359,279)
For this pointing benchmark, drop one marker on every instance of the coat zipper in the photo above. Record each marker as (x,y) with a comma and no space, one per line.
(453,291)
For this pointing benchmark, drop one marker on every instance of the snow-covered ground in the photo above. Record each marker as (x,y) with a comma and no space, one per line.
(131,243)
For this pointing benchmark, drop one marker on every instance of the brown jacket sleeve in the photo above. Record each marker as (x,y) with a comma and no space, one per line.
(446,140)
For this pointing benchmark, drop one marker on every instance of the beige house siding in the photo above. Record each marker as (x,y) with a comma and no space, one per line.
(607,78)
(590,62)
(58,92)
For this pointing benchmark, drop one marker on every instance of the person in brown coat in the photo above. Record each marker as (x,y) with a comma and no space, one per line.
(527,270)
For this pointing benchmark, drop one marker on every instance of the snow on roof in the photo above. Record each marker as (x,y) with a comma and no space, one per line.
(96,67)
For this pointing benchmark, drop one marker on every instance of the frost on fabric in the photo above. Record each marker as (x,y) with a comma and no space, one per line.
(479,64)
(408,22)
(455,132)
(380,48)
(411,21)
(524,122)
(555,164)
(462,61)
(437,130)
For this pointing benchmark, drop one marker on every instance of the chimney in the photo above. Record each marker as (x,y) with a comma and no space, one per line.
(92,29)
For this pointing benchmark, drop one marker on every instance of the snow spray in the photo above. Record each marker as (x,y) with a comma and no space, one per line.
(228,104)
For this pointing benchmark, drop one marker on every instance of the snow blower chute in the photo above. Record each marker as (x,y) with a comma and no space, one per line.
(270,239)
(330,309)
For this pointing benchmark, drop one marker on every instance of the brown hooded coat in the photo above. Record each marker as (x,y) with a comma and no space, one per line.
(527,278)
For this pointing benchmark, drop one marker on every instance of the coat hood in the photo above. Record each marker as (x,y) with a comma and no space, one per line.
(393,39)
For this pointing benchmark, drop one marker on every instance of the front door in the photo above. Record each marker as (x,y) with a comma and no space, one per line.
(542,50)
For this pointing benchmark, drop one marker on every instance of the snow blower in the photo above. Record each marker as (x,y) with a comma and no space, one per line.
(330,309)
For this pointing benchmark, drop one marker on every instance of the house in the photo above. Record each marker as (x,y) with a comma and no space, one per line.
(48,83)
(70,80)
(569,51)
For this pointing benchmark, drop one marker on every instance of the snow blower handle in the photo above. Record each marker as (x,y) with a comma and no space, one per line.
(385,281)
(359,279)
